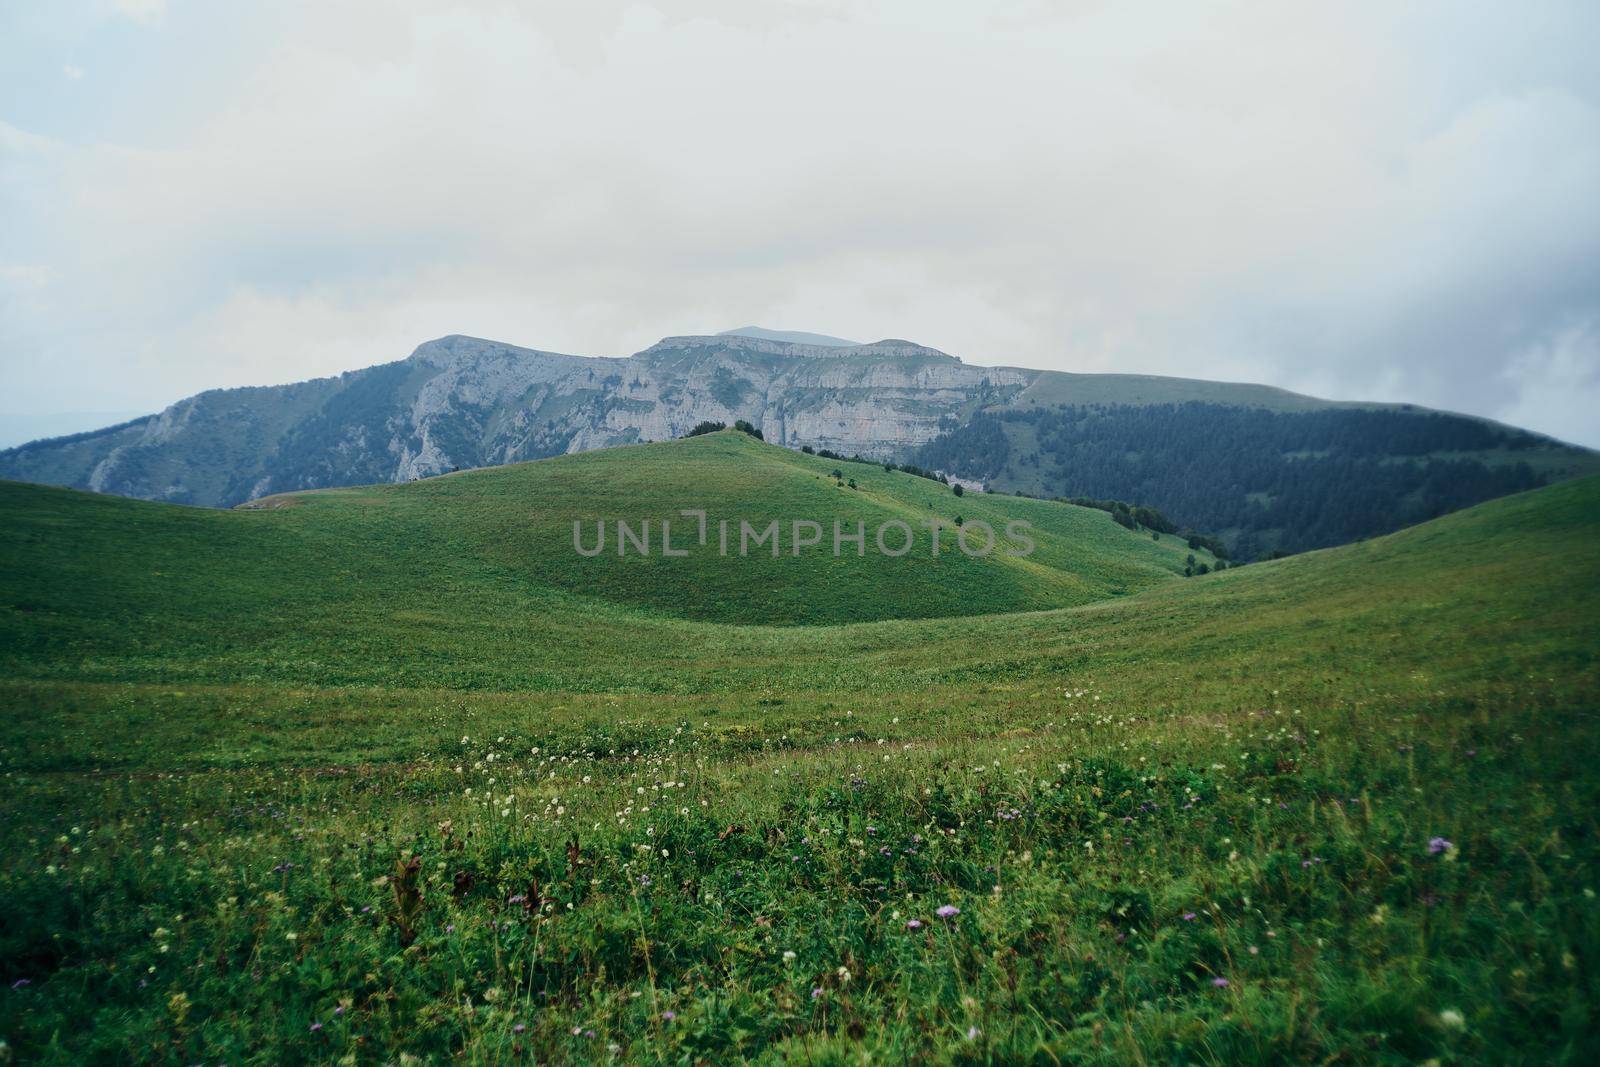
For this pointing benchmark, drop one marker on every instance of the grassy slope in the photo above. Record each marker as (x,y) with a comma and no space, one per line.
(1461,601)
(487,555)
(1267,750)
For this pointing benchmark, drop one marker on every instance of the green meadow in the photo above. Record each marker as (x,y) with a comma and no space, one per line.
(394,775)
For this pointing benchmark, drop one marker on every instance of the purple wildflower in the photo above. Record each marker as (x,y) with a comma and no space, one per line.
(669,1015)
(948,911)
(1220,983)
(519,1028)
(1439,844)
(1188,916)
(315,1027)
(914,924)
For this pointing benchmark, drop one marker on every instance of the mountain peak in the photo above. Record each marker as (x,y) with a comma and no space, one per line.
(459,349)
(798,337)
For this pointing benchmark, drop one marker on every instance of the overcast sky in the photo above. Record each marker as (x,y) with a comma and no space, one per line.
(1356,201)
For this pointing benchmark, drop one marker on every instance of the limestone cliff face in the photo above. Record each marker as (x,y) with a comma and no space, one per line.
(463,402)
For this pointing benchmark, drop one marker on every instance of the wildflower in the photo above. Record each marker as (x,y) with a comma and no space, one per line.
(1438,844)
(816,993)
(315,1027)
(948,911)
(1188,916)
(972,1033)
(788,954)
(1219,982)
(914,924)
(668,1016)
(1451,1019)
(519,1028)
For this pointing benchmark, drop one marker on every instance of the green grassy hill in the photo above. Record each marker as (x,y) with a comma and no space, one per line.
(1190,824)
(496,547)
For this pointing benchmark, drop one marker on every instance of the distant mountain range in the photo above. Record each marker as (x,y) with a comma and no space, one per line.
(1262,465)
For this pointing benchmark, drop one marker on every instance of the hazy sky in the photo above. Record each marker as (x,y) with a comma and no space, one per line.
(1352,200)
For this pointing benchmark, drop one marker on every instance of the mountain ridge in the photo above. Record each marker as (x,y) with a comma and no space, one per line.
(459,402)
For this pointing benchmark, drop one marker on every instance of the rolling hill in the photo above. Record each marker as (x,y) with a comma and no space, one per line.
(493,549)
(471,581)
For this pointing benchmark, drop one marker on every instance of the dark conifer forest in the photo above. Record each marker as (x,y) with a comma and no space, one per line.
(1266,481)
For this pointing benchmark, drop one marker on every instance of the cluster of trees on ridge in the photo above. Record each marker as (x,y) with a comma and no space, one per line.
(712,427)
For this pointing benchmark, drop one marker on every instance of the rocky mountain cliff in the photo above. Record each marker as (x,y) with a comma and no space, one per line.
(466,402)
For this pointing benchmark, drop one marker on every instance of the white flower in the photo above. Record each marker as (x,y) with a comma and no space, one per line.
(1451,1019)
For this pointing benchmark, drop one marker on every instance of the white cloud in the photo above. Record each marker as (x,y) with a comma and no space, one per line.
(1555,383)
(71,71)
